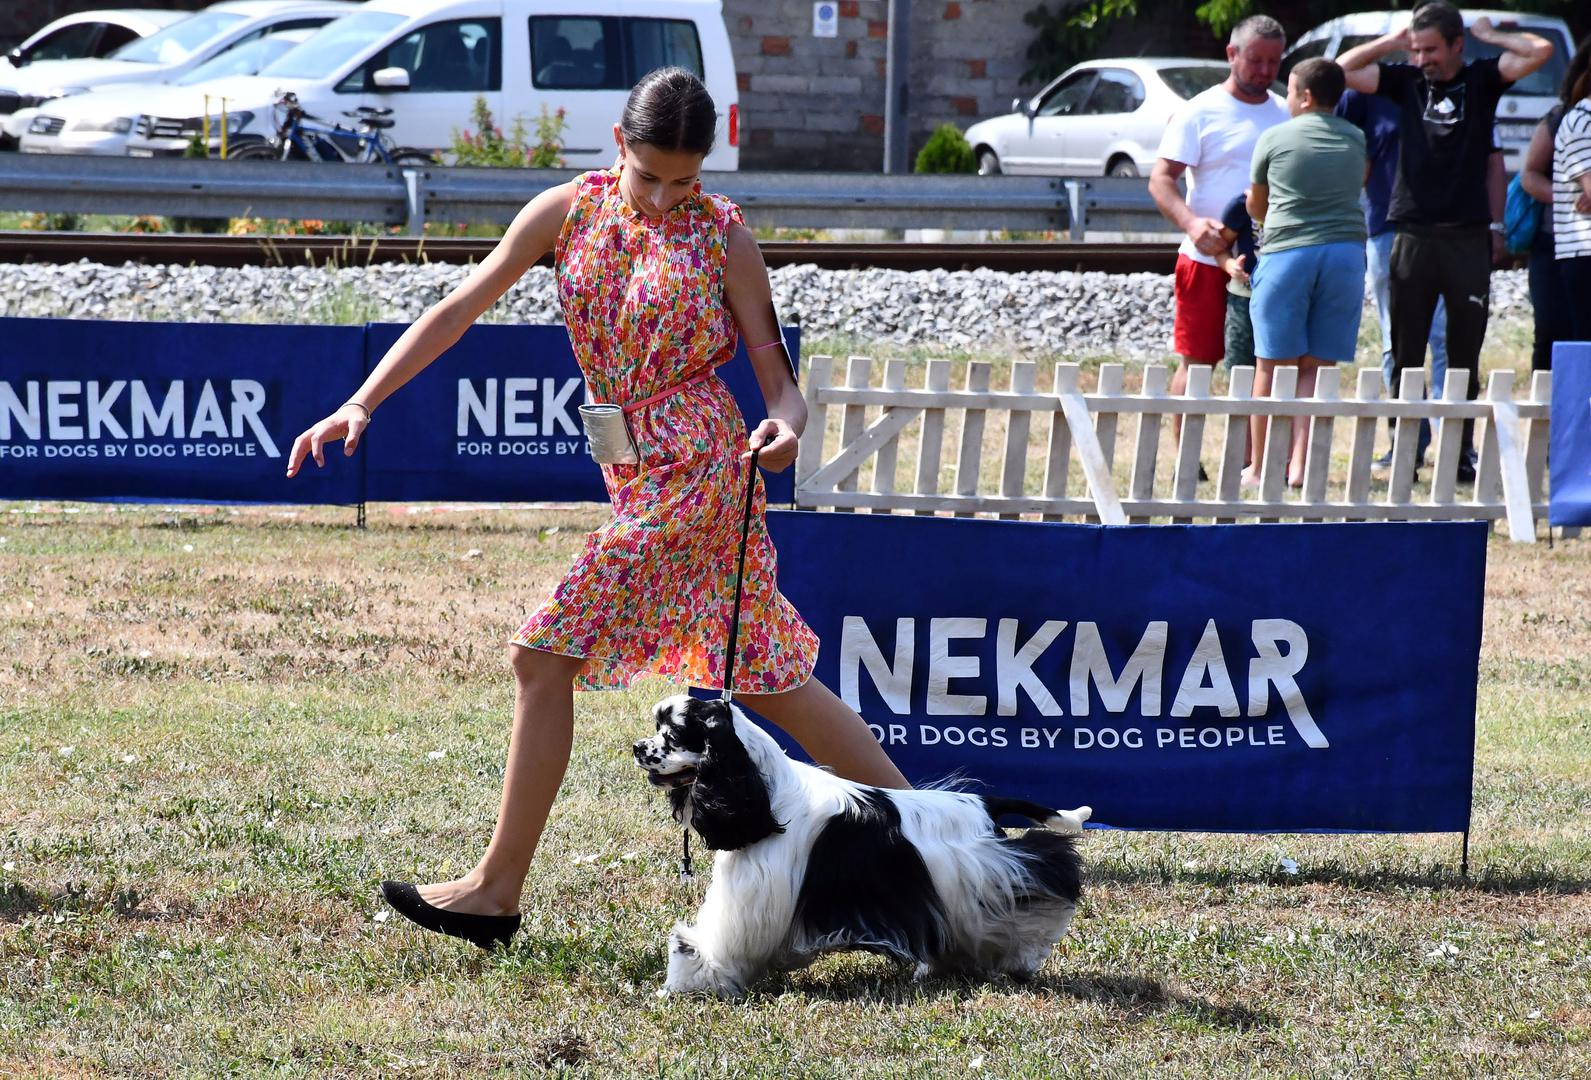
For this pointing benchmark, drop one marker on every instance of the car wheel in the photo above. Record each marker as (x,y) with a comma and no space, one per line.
(253,151)
(988,163)
(1122,167)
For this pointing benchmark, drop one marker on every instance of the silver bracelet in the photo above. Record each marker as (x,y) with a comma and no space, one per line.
(361,404)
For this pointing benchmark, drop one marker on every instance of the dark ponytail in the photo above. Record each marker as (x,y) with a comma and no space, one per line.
(671,110)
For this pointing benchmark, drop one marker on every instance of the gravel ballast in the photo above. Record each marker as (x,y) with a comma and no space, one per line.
(1078,314)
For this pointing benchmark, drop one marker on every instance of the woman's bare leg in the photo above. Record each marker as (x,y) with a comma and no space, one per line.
(538,754)
(830,731)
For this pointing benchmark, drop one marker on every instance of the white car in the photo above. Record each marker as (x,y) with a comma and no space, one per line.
(160,57)
(88,34)
(100,121)
(74,37)
(429,60)
(1099,118)
(1520,108)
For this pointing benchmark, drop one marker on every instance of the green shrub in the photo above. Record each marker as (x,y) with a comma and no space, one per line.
(946,151)
(487,144)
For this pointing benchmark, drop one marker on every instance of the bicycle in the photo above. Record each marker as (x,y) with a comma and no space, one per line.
(301,136)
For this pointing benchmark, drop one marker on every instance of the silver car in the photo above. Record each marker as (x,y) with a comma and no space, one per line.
(1101,117)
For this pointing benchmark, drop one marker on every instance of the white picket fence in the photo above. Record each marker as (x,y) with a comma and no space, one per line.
(1059,453)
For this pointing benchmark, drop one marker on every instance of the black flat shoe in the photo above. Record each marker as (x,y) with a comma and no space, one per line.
(482,930)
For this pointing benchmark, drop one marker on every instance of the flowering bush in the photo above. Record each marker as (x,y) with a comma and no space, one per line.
(487,145)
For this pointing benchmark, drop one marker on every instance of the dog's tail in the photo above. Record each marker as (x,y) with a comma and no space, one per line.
(1065,822)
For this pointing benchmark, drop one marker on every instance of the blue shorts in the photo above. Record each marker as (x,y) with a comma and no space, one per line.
(1307,301)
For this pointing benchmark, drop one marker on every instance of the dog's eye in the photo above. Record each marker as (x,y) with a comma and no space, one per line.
(684,949)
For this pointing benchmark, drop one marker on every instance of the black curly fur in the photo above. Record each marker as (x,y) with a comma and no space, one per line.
(729,804)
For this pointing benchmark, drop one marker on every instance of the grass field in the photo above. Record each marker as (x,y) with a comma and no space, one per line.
(219,728)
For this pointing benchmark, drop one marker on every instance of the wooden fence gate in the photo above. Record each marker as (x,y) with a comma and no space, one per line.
(884,447)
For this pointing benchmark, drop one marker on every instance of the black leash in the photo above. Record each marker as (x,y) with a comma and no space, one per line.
(734,628)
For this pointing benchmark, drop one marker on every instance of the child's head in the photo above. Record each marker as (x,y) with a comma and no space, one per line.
(667,128)
(1316,85)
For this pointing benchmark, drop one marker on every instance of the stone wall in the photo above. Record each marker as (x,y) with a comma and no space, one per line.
(818,103)
(19,18)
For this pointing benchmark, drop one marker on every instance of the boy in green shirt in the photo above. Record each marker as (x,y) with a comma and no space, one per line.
(1309,284)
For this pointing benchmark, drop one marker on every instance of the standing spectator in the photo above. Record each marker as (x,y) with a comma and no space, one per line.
(1377,117)
(1549,298)
(1309,284)
(1441,209)
(1571,205)
(1212,138)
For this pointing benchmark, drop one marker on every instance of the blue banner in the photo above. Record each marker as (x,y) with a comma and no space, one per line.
(1250,678)
(198,412)
(496,419)
(1570,454)
(191,412)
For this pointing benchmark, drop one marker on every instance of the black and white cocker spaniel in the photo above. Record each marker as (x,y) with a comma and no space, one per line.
(809,863)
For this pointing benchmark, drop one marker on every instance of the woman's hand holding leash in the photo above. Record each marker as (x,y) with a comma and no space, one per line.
(776,444)
(348,423)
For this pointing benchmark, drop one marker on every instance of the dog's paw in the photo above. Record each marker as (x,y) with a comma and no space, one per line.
(1069,822)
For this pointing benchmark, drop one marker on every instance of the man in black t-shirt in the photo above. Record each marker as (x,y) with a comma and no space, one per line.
(1439,207)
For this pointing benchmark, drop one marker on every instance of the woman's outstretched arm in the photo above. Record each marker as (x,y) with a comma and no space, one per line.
(532,235)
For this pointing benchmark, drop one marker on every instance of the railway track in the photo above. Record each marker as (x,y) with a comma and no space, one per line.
(206,250)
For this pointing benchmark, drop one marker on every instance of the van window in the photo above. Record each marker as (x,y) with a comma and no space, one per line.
(458,56)
(656,43)
(575,52)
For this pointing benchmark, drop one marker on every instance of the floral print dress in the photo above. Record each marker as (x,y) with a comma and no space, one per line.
(652,591)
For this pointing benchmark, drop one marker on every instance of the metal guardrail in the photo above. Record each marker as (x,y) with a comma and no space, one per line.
(29,246)
(393,196)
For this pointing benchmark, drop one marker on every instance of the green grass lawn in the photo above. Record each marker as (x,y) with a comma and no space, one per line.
(219,729)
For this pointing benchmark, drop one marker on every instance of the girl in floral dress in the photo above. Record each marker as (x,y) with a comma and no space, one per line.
(657,282)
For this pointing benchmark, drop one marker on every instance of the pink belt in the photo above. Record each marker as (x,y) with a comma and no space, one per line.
(636,406)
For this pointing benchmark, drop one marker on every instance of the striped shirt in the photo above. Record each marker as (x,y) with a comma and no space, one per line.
(1571,162)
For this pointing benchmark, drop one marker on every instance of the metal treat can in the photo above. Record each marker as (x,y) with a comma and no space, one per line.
(608,435)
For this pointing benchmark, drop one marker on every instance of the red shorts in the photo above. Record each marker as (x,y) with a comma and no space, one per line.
(1199,333)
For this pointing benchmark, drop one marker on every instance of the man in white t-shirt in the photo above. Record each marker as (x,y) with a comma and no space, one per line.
(1212,138)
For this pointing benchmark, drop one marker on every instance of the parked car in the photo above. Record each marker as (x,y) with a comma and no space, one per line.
(1520,108)
(162,56)
(73,37)
(1101,117)
(428,61)
(89,34)
(100,121)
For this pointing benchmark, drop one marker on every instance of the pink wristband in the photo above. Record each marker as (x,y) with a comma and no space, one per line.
(769,345)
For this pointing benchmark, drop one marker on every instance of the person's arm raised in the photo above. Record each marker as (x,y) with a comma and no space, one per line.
(1522,53)
(532,234)
(1360,64)
(750,300)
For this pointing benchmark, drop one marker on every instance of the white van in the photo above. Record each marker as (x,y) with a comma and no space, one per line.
(428,60)
(162,56)
(1524,103)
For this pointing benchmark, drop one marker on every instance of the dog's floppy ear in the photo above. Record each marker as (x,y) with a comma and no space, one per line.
(730,808)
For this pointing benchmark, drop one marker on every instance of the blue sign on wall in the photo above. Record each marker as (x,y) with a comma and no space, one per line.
(1206,678)
(191,412)
(1570,457)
